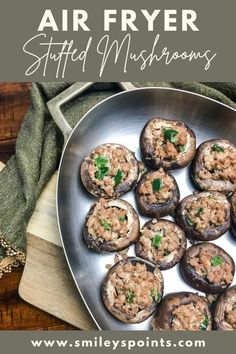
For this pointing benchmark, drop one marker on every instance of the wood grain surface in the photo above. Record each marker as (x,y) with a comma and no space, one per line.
(14,103)
(48,284)
(46,281)
(14,312)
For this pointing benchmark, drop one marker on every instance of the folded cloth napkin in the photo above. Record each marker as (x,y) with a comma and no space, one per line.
(38,150)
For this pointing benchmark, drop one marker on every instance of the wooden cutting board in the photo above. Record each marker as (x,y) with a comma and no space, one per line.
(47,282)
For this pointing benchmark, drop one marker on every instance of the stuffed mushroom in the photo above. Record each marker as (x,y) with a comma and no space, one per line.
(204,216)
(233,213)
(111,225)
(207,268)
(225,311)
(183,311)
(157,194)
(167,143)
(214,166)
(161,242)
(132,289)
(109,171)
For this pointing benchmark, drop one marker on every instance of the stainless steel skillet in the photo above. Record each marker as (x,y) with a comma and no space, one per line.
(120,119)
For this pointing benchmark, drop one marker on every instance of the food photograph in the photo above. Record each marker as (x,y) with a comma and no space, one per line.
(129,223)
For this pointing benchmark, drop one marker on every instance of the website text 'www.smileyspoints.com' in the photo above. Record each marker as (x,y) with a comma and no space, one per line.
(114,344)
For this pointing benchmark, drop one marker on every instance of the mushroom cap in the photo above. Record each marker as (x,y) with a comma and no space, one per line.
(119,243)
(197,281)
(148,152)
(163,316)
(208,234)
(174,257)
(157,210)
(122,187)
(108,291)
(227,298)
(223,186)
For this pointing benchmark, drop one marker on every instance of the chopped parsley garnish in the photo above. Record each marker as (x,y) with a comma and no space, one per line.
(121,218)
(217,148)
(106,225)
(156,241)
(101,161)
(118,177)
(181,148)
(155,295)
(189,220)
(171,135)
(203,326)
(199,211)
(130,297)
(102,170)
(216,260)
(156,185)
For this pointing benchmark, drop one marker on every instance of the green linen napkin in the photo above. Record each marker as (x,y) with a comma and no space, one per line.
(38,150)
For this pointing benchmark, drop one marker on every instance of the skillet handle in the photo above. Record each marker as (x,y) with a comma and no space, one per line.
(126,86)
(54,106)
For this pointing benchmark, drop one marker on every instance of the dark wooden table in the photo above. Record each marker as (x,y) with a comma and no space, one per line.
(14,312)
